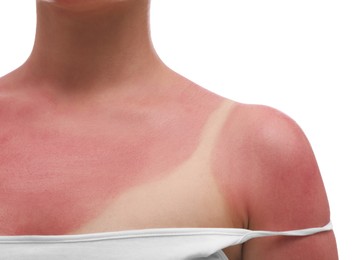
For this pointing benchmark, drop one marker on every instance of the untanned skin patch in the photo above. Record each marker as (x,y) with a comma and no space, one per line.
(230,156)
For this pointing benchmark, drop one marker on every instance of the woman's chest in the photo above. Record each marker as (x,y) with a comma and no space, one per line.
(58,181)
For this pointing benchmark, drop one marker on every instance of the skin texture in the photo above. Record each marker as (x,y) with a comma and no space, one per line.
(78,154)
(270,179)
(97,134)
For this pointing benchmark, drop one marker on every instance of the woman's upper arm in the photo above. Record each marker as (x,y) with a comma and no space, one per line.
(286,192)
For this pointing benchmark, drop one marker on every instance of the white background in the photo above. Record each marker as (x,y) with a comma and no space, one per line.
(305,58)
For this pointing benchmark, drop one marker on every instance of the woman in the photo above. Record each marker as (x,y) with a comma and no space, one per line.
(100,139)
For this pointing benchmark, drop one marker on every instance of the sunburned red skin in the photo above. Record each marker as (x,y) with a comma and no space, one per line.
(267,172)
(242,153)
(57,175)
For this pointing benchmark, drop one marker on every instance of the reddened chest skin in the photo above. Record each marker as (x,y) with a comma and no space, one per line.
(58,172)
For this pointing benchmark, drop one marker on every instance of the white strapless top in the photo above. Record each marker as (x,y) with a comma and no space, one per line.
(158,244)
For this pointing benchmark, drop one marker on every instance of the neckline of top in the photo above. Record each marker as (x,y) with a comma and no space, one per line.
(154,232)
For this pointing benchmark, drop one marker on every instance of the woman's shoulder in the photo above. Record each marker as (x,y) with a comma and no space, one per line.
(266,131)
(275,183)
(275,179)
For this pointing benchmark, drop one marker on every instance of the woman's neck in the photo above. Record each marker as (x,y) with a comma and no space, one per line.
(82,51)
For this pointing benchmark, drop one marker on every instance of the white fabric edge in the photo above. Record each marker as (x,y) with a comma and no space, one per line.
(158,232)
